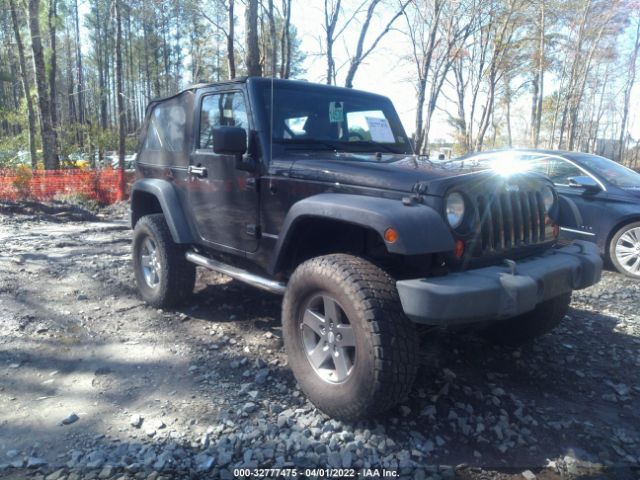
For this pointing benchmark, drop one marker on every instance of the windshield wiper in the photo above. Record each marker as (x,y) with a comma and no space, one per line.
(303,142)
(381,146)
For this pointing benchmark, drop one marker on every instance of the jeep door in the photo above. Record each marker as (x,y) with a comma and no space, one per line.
(223,199)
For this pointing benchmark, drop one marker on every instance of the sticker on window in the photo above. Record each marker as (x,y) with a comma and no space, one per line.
(380,130)
(336,112)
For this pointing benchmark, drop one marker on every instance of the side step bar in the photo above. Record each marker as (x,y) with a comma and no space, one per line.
(238,274)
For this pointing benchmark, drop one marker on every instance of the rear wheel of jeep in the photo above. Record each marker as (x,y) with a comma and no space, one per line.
(163,275)
(525,328)
(350,346)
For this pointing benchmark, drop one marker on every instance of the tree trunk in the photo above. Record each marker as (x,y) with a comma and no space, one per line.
(273,41)
(166,61)
(507,100)
(24,74)
(557,107)
(120,98)
(423,74)
(461,121)
(47,133)
(330,22)
(252,58)
(53,67)
(541,68)
(80,73)
(537,82)
(71,107)
(285,41)
(231,55)
(534,108)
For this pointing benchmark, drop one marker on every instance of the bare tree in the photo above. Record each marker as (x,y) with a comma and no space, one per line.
(24,76)
(273,39)
(332,10)
(469,69)
(230,34)
(228,30)
(363,52)
(537,82)
(53,66)
(631,79)
(423,28)
(252,53)
(47,133)
(80,71)
(596,20)
(502,34)
(438,33)
(285,40)
(120,95)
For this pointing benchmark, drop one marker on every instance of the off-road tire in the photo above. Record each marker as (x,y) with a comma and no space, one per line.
(612,250)
(177,276)
(527,327)
(386,357)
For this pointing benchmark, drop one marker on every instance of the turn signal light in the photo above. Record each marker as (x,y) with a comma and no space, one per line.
(459,250)
(390,235)
(556,231)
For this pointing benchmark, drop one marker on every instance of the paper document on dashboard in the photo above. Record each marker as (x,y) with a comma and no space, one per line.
(380,130)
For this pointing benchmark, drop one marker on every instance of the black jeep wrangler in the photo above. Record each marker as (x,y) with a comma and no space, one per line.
(313,192)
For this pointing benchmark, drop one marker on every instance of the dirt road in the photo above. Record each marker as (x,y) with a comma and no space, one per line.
(202,390)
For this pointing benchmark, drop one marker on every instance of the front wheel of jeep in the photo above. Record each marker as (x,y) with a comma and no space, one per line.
(163,275)
(527,327)
(350,346)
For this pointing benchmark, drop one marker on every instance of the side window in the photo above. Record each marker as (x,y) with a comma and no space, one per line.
(166,128)
(560,171)
(221,110)
(540,165)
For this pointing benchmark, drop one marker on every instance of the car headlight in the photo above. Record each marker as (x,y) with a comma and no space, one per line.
(454,208)
(549,198)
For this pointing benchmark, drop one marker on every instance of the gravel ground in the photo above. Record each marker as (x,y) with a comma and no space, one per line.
(95,384)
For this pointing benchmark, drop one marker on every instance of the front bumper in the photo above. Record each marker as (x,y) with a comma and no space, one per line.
(500,292)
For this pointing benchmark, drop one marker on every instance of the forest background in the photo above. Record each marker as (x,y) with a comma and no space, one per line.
(465,75)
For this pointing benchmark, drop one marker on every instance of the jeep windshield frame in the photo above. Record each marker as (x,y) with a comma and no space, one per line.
(300,116)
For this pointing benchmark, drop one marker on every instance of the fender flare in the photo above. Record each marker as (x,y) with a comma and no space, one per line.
(167,197)
(421,230)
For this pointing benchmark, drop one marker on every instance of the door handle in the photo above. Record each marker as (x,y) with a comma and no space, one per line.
(198,171)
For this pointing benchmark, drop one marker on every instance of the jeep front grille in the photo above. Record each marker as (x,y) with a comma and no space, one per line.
(511,220)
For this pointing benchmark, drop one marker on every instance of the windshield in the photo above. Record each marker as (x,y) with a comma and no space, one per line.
(307,117)
(611,171)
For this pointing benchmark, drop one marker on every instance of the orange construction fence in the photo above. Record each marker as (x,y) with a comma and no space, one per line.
(103,186)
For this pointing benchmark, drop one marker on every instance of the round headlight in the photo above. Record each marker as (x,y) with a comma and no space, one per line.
(548,198)
(454,207)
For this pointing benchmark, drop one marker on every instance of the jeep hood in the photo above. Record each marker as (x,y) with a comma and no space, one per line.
(388,172)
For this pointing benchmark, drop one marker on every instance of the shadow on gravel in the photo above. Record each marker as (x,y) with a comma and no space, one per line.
(235,302)
(570,393)
(570,398)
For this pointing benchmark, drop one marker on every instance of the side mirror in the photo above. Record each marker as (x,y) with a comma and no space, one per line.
(587,183)
(229,140)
